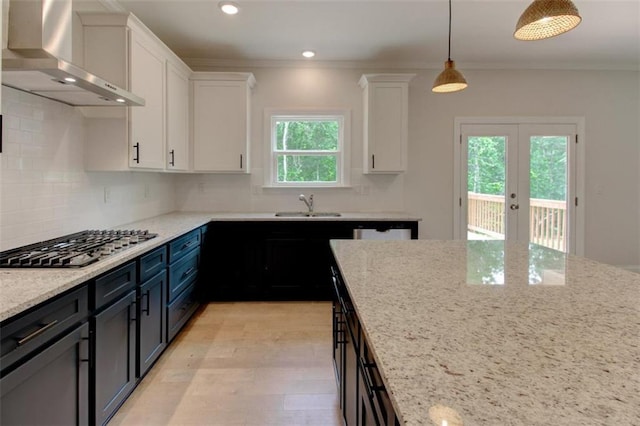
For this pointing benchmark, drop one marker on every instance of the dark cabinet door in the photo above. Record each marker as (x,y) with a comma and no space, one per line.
(235,265)
(152,320)
(115,354)
(296,268)
(52,387)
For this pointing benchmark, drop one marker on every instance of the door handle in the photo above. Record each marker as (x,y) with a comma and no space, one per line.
(514,206)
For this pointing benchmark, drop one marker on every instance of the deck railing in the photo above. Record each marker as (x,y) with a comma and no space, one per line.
(547,219)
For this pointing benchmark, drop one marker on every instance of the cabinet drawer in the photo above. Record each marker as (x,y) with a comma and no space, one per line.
(152,263)
(23,335)
(113,285)
(182,273)
(52,388)
(180,310)
(183,245)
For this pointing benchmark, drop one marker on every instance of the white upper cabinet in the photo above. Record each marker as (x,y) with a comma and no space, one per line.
(220,131)
(146,125)
(177,116)
(118,47)
(385,116)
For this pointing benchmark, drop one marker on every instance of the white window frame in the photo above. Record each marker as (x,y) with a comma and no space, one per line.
(343,172)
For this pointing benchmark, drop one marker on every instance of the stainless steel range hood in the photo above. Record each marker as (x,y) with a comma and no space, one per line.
(39,53)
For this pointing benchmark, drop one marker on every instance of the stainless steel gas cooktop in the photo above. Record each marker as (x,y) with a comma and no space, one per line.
(74,250)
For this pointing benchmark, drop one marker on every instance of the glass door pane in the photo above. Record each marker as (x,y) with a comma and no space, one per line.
(486,181)
(548,185)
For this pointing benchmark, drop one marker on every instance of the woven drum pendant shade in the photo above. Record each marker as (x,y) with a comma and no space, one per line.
(547,18)
(449,80)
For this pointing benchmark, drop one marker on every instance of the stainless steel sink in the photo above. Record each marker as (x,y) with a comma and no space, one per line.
(307,214)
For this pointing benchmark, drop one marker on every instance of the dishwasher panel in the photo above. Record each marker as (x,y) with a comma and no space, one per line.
(387,234)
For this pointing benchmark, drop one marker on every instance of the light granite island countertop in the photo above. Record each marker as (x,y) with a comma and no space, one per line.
(488,333)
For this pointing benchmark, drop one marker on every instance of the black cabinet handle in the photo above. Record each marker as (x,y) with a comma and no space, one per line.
(173,157)
(240,161)
(146,310)
(137,156)
(187,245)
(31,336)
(373,161)
(188,272)
(88,357)
(132,318)
(368,381)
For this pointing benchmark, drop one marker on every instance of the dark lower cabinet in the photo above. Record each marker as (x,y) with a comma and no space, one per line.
(183,289)
(291,269)
(114,356)
(152,321)
(51,388)
(74,359)
(363,396)
(234,263)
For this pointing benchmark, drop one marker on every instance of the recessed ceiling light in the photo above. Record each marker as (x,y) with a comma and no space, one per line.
(308,53)
(70,79)
(228,7)
(120,100)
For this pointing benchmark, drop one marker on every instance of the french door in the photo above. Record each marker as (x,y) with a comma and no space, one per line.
(518,182)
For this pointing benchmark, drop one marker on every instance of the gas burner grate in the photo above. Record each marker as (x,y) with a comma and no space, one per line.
(73,250)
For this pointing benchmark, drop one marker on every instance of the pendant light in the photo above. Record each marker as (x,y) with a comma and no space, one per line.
(547,18)
(450,79)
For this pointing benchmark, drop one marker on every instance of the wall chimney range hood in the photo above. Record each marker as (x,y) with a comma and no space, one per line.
(38,58)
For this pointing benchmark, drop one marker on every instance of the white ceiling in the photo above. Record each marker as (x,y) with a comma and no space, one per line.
(390,32)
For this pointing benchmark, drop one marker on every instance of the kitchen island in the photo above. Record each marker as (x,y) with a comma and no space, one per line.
(488,333)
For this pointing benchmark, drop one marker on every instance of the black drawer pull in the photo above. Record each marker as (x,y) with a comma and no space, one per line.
(188,272)
(42,329)
(187,244)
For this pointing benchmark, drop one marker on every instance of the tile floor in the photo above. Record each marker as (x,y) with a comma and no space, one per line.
(235,363)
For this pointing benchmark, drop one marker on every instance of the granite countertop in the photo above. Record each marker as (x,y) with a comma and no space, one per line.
(483,333)
(21,289)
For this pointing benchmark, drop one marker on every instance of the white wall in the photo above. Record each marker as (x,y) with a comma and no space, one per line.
(611,114)
(44,190)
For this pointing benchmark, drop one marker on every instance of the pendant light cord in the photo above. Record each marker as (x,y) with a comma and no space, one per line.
(449,52)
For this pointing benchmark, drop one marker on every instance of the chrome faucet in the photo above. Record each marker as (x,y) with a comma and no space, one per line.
(308,202)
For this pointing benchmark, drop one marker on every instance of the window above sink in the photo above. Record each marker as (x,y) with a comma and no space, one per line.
(308,148)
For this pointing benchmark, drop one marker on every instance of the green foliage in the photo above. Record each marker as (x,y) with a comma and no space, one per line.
(548,170)
(310,135)
(307,135)
(306,168)
(548,166)
(486,165)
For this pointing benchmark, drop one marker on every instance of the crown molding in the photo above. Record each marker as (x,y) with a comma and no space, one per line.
(204,64)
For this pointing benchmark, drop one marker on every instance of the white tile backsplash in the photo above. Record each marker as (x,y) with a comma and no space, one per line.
(44,189)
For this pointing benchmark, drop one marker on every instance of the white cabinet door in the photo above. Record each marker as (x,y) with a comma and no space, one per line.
(177,117)
(146,127)
(386,115)
(220,126)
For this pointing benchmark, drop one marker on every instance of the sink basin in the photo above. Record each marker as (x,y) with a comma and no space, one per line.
(307,214)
